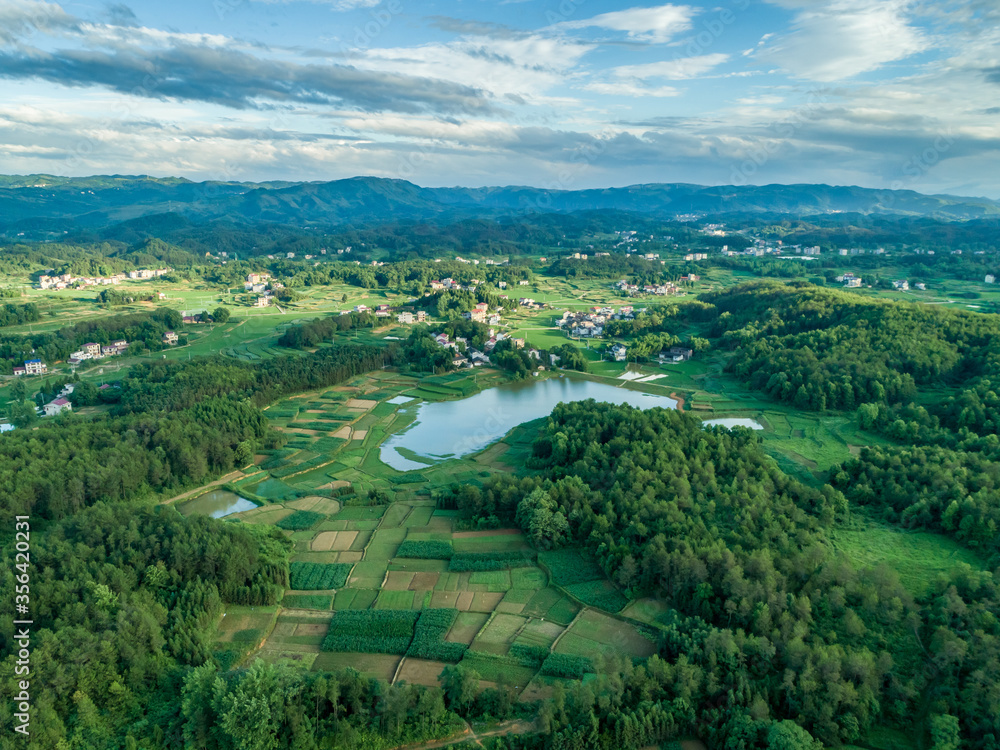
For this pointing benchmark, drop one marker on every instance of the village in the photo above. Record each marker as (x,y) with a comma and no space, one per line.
(66,281)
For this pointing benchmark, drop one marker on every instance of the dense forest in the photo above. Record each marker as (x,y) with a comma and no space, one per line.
(825,349)
(771,625)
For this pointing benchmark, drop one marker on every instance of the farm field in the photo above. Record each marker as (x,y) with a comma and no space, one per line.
(418,614)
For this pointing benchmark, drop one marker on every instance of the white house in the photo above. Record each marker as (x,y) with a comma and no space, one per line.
(56,407)
(35,367)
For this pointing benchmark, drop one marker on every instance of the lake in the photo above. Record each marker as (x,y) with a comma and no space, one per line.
(217,503)
(730,422)
(448,429)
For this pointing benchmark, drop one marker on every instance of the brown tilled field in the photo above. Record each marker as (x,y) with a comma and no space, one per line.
(421,671)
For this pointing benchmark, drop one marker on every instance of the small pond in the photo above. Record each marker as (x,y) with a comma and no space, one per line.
(449,429)
(730,422)
(217,503)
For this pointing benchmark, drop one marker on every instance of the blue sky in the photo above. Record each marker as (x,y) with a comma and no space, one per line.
(565,94)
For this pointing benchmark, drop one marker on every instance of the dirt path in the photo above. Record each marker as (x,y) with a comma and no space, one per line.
(230,477)
(514,726)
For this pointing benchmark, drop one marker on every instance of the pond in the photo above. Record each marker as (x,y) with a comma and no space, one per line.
(448,429)
(730,422)
(217,503)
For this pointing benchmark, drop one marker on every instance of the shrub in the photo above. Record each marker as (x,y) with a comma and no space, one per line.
(307,601)
(568,567)
(600,594)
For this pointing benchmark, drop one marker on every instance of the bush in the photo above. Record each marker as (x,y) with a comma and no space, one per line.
(473,561)
(429,550)
(372,631)
(567,665)
(300,520)
(305,576)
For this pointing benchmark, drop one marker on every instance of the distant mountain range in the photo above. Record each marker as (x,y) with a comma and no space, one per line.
(35,203)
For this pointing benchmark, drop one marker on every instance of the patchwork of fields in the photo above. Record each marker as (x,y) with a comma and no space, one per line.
(359,602)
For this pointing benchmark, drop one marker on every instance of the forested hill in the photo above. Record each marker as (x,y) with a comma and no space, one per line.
(35,201)
(767,623)
(827,349)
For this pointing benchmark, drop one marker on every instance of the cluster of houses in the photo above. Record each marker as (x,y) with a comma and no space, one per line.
(481,314)
(385,311)
(668,356)
(97,351)
(60,403)
(409,318)
(627,236)
(65,281)
(590,324)
(262,285)
(488,262)
(451,284)
(475,358)
(661,290)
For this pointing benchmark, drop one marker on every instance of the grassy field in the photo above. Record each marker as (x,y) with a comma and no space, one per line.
(917,557)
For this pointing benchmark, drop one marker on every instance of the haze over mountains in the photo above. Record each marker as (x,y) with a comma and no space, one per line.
(44,202)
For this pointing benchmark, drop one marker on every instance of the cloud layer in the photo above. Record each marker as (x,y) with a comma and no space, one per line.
(895,93)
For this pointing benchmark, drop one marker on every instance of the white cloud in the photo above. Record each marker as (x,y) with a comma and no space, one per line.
(841,39)
(673,70)
(624,88)
(514,69)
(658,24)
